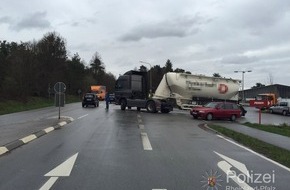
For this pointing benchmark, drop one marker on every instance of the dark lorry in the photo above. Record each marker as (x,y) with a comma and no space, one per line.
(132,90)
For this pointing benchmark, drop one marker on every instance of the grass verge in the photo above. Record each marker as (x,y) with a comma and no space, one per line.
(273,152)
(282,129)
(12,106)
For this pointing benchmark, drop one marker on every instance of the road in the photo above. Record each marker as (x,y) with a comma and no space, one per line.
(114,149)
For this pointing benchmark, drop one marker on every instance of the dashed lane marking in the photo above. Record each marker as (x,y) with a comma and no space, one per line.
(83,116)
(141,126)
(146,142)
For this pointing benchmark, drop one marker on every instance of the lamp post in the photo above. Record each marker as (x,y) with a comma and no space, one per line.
(243,73)
(150,90)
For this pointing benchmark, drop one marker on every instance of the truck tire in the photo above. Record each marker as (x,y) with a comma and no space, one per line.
(123,104)
(151,107)
(209,117)
(138,109)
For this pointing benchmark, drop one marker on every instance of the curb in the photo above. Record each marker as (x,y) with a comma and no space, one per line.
(17,143)
(204,126)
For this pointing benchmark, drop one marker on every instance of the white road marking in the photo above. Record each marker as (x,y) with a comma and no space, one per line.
(83,116)
(28,138)
(141,126)
(3,150)
(49,129)
(226,167)
(240,166)
(62,123)
(139,120)
(146,142)
(272,161)
(63,169)
(159,189)
(49,183)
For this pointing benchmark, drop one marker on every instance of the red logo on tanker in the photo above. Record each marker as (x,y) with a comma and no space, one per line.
(223,88)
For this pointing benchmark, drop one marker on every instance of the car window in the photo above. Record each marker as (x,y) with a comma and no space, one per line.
(211,105)
(235,106)
(228,106)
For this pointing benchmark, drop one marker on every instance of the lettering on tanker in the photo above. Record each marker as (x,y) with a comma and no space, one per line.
(198,85)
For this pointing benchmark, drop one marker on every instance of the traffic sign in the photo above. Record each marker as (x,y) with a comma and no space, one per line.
(59,87)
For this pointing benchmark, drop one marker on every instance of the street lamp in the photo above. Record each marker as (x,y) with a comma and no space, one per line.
(150,90)
(243,72)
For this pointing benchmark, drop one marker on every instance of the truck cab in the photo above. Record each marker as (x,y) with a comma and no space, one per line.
(131,90)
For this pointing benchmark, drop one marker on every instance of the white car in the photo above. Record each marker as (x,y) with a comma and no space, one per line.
(282,107)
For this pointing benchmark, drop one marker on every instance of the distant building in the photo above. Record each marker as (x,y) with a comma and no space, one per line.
(278,89)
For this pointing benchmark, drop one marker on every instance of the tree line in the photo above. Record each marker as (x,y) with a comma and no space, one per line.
(32,68)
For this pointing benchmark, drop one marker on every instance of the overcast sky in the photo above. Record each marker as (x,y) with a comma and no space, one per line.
(200,36)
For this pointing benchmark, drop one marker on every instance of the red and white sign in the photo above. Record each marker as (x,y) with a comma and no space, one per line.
(258,103)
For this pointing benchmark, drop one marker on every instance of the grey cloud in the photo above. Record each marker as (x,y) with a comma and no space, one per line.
(238,59)
(36,20)
(5,19)
(180,27)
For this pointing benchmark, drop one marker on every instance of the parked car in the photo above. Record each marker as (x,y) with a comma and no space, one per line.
(90,99)
(217,110)
(282,107)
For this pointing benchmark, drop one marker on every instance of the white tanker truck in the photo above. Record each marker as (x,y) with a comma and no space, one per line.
(189,90)
(184,90)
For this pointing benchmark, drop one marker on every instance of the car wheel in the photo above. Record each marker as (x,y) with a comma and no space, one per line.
(138,109)
(284,113)
(209,117)
(194,117)
(233,118)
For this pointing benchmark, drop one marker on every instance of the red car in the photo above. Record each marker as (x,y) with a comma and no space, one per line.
(217,110)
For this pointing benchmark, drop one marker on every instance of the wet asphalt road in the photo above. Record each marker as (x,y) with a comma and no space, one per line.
(132,150)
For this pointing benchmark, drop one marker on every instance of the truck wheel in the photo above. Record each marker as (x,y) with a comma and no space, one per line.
(284,113)
(209,117)
(151,107)
(233,118)
(138,109)
(123,104)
